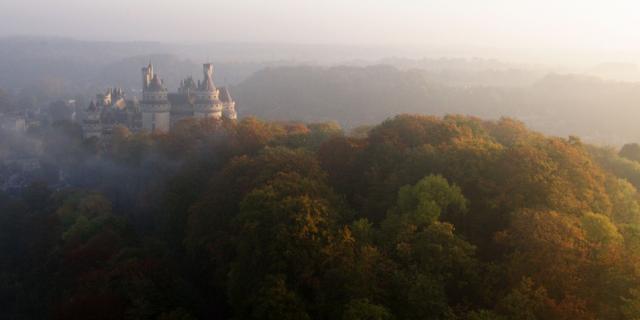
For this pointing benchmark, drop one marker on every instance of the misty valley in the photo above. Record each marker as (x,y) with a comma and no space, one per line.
(144,185)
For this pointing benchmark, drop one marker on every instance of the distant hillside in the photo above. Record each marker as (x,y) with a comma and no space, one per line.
(600,111)
(82,67)
(616,71)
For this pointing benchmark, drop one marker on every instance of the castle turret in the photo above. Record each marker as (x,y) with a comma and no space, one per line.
(187,86)
(155,104)
(228,105)
(208,104)
(147,75)
(183,101)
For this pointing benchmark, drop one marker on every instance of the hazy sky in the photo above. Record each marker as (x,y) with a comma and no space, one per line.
(559,24)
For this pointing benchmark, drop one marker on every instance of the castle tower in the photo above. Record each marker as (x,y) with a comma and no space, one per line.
(228,105)
(147,75)
(207,103)
(155,104)
(187,86)
(183,101)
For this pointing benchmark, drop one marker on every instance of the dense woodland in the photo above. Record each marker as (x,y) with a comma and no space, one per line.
(418,217)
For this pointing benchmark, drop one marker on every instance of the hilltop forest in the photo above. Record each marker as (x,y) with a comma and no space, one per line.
(418,217)
(597,110)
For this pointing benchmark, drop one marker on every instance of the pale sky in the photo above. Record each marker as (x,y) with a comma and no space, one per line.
(554,24)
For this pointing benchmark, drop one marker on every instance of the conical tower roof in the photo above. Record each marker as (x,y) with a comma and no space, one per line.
(156,84)
(225,96)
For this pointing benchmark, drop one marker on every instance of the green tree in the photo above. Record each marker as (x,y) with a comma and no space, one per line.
(285,224)
(275,301)
(430,259)
(527,302)
(362,309)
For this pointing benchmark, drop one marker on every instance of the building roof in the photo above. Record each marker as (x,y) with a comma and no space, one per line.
(188,83)
(156,84)
(207,84)
(120,103)
(225,96)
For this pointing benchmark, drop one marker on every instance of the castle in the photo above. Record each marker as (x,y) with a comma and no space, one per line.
(159,110)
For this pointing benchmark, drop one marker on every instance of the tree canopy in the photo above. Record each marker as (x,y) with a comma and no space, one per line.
(418,217)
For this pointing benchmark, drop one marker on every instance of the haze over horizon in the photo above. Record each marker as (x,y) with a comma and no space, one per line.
(538,31)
